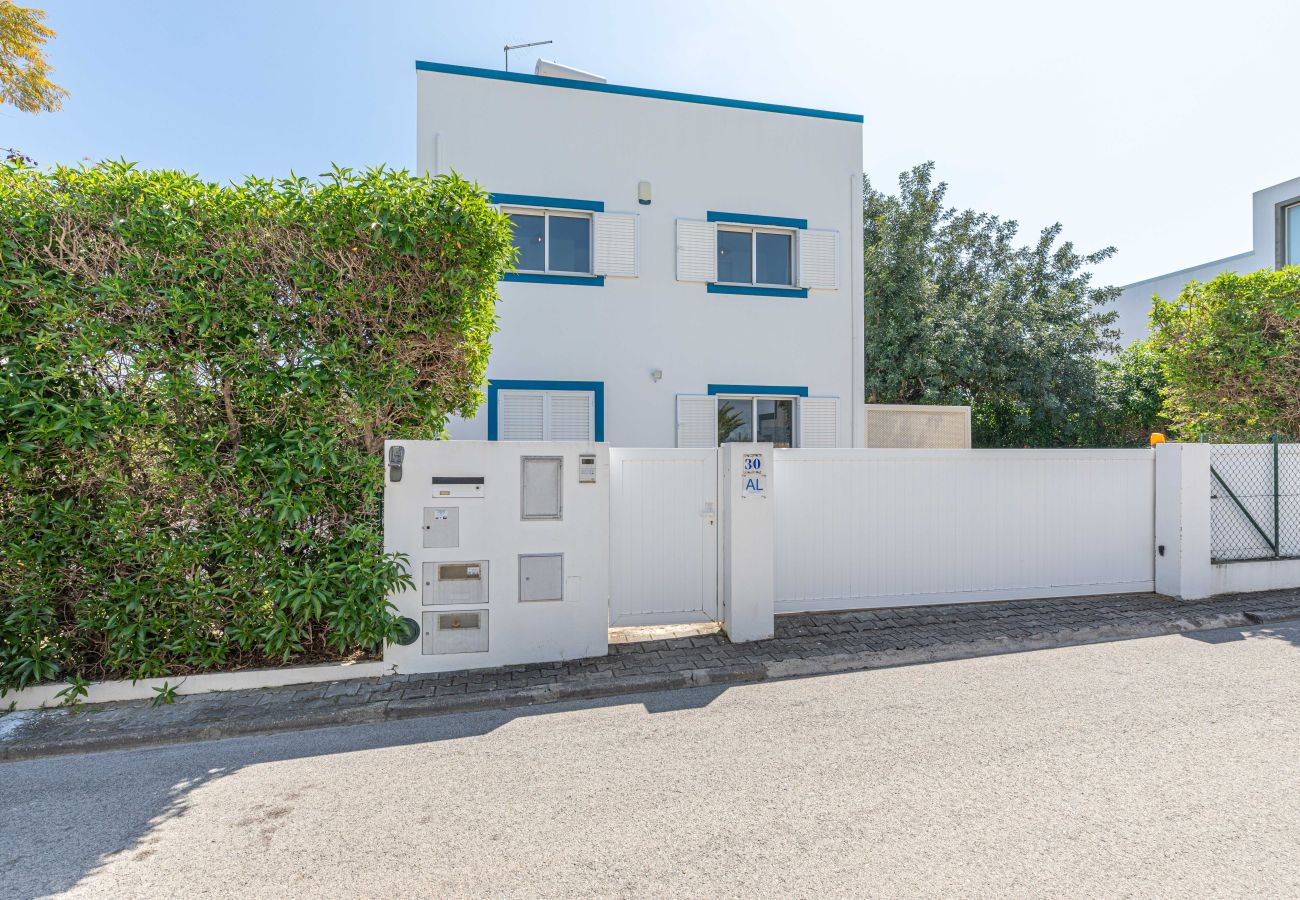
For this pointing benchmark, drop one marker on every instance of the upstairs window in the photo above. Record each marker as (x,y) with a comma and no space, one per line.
(1291,235)
(551,242)
(763,257)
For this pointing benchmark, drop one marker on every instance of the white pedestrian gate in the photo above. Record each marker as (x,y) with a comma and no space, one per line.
(664,536)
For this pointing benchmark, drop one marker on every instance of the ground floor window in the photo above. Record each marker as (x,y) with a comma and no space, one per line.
(546,415)
(733,413)
(766,419)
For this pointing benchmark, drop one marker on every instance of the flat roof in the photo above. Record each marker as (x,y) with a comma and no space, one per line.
(602,88)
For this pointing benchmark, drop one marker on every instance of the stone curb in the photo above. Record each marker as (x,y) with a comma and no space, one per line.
(739,673)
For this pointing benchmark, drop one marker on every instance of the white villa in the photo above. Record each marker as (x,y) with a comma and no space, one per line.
(1276,221)
(688,268)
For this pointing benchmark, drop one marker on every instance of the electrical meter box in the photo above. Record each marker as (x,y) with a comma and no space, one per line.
(442,526)
(507,546)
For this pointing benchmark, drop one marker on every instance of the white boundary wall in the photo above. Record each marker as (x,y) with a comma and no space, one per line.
(871,528)
(830,530)
(204,683)
(1184,532)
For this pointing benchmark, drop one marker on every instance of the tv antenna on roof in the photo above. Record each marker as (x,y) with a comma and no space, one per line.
(508,47)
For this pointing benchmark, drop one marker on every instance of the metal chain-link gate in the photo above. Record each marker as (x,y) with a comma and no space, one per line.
(1254,501)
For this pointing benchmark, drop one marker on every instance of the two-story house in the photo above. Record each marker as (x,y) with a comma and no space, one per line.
(1275,227)
(689,267)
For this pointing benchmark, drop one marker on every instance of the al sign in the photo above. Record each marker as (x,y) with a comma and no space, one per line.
(753,477)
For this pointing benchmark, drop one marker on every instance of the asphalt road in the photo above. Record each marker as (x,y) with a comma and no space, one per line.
(1160,767)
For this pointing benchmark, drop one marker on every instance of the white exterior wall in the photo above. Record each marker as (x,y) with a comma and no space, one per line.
(869,528)
(1134,304)
(492,531)
(541,140)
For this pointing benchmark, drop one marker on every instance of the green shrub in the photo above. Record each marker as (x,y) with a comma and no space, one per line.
(195,384)
(1230,354)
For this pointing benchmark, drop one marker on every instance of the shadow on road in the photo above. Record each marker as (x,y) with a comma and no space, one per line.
(1287,632)
(58,825)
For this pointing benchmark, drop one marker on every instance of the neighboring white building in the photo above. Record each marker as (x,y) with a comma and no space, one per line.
(689,265)
(1276,221)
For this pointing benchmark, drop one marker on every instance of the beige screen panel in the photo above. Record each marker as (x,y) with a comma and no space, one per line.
(910,427)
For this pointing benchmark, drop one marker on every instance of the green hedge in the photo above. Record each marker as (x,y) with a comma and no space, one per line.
(1229,351)
(195,384)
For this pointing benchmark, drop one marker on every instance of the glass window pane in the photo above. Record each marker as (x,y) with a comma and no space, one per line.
(528,240)
(735,257)
(776,421)
(1293,235)
(774,258)
(570,243)
(735,420)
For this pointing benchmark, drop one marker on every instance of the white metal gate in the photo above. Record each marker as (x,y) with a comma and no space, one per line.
(664,536)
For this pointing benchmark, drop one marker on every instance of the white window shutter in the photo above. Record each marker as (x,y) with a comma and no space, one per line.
(817,422)
(819,259)
(616,244)
(522,416)
(572,415)
(697,250)
(697,421)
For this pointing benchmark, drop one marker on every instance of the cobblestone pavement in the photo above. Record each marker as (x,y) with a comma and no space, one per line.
(804,644)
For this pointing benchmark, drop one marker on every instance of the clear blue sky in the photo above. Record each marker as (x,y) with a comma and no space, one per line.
(1140,124)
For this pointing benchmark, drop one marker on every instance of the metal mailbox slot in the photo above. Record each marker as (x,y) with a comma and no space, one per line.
(441,526)
(541,577)
(454,583)
(455,632)
(457,486)
(541,491)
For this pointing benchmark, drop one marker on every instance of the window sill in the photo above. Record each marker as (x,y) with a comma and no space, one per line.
(750,290)
(539,278)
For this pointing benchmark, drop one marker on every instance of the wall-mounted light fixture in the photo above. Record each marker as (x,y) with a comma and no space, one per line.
(643,193)
(656,375)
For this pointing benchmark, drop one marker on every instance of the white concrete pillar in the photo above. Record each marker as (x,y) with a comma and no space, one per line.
(748,562)
(1183,567)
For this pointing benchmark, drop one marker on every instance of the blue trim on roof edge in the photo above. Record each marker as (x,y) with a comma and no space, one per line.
(752,291)
(747,219)
(555,202)
(788,390)
(601,88)
(513,384)
(543,278)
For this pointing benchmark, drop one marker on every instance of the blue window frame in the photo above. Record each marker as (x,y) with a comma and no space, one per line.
(553,236)
(787,390)
(495,385)
(756,255)
(757,412)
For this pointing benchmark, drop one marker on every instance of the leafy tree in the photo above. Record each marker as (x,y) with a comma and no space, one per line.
(24,73)
(956,312)
(1230,354)
(1128,403)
